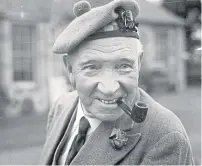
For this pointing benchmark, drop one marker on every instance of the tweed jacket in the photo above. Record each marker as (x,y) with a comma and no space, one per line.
(160,140)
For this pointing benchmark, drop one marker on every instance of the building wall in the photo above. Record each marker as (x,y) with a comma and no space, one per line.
(6,54)
(176,60)
(58,79)
(147,39)
(172,50)
(35,92)
(181,68)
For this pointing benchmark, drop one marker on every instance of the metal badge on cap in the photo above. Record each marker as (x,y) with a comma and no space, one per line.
(126,20)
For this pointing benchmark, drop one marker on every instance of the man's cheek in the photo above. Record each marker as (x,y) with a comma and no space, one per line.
(88,83)
(129,82)
(85,99)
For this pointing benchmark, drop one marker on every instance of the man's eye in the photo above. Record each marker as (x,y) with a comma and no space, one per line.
(90,67)
(125,67)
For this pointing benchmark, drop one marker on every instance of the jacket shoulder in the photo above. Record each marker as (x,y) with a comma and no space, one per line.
(160,120)
(65,99)
(62,103)
(166,121)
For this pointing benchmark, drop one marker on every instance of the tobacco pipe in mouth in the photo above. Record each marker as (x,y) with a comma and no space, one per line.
(138,112)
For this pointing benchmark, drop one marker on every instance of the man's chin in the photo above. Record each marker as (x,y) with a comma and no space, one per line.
(107,117)
(104,113)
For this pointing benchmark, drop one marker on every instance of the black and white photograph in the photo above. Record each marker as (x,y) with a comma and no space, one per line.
(100,82)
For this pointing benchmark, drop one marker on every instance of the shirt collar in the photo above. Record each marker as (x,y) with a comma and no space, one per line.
(94,122)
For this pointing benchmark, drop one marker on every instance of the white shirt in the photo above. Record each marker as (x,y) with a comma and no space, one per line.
(94,123)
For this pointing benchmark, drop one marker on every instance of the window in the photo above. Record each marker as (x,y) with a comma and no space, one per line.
(24,51)
(162,46)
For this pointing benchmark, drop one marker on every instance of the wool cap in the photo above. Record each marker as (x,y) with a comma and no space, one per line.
(115,19)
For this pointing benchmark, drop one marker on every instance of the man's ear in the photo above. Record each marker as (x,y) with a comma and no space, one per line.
(139,61)
(68,66)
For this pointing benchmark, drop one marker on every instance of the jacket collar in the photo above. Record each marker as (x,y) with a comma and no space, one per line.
(60,124)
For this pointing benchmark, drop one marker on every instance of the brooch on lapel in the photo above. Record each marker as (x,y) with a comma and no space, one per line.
(118,139)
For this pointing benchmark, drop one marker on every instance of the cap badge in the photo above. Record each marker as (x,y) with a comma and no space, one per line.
(125,20)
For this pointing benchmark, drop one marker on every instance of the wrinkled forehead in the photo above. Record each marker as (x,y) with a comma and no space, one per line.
(118,45)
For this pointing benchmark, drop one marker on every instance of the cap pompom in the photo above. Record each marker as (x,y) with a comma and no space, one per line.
(81,7)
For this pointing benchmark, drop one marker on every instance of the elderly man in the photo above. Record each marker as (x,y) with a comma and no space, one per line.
(107,119)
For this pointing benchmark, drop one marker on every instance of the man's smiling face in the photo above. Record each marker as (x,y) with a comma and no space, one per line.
(104,71)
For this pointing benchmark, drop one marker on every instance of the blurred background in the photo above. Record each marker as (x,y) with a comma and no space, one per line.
(32,77)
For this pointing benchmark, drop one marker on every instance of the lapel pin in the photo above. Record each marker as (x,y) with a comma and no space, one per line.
(118,139)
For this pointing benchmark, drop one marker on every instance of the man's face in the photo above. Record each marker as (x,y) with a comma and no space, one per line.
(104,71)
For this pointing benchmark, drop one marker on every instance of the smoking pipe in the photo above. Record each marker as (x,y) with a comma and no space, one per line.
(138,112)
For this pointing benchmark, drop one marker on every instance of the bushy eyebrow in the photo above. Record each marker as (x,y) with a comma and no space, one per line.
(83,63)
(96,61)
(127,60)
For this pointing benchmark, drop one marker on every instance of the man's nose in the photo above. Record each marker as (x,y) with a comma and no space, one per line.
(108,86)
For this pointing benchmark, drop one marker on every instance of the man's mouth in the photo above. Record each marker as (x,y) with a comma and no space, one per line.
(108,101)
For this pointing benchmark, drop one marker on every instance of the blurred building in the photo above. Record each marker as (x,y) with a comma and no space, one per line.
(190,11)
(33,77)
(24,43)
(163,38)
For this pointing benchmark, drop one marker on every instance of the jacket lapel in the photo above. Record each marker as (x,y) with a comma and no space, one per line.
(58,129)
(98,149)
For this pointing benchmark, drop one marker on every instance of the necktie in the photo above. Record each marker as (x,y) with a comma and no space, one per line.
(79,140)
